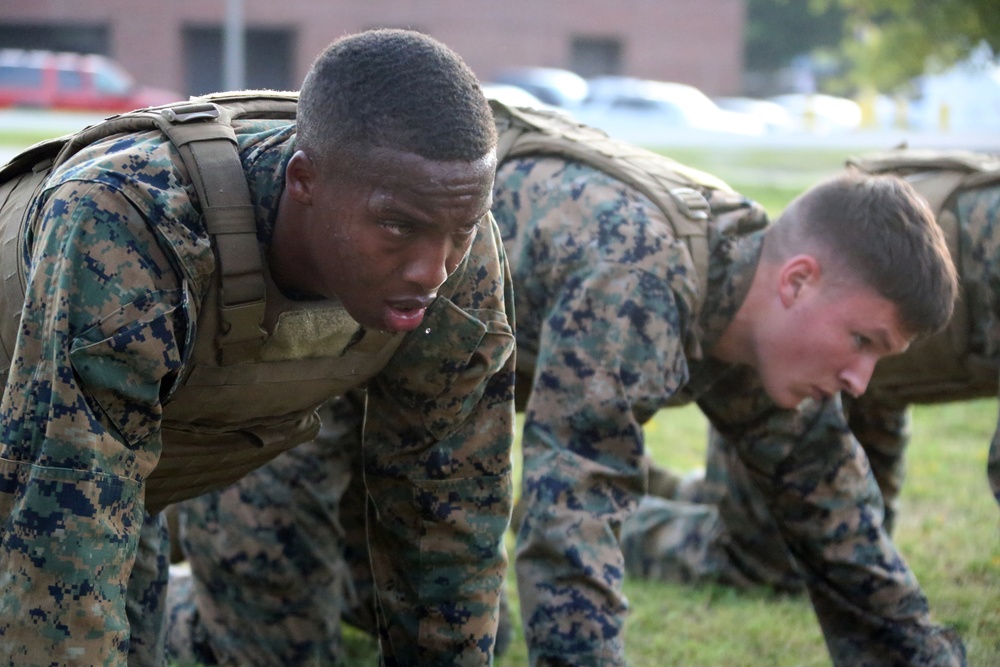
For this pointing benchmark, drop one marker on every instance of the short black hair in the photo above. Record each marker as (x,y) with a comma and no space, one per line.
(395,89)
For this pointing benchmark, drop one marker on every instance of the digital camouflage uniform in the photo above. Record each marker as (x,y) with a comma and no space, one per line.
(604,299)
(725,532)
(715,526)
(604,295)
(119,261)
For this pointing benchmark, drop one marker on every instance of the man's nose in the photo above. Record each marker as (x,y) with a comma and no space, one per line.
(428,266)
(855,378)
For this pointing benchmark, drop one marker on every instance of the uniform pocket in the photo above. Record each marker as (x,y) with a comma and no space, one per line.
(68,540)
(123,359)
(442,368)
(81,504)
(462,558)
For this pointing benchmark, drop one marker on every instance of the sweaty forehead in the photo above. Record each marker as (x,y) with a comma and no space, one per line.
(406,183)
(395,165)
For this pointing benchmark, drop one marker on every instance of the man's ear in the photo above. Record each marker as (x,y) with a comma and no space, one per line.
(300,178)
(798,273)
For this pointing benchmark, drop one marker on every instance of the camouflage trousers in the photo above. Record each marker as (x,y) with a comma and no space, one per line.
(715,528)
(719,528)
(146,593)
(295,530)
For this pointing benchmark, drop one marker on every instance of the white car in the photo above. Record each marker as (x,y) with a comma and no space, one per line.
(817,113)
(775,117)
(552,85)
(513,96)
(650,112)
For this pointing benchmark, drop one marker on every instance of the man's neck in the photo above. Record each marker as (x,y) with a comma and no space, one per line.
(285,256)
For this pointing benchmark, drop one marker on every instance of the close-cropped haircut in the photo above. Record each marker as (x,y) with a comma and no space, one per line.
(878,232)
(395,89)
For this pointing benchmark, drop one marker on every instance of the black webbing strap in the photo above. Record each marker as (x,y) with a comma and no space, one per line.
(207,144)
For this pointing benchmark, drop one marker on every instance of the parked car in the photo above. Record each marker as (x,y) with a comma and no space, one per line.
(775,117)
(558,87)
(513,96)
(650,112)
(72,81)
(821,114)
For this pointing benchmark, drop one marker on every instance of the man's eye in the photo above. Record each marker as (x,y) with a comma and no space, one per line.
(861,341)
(397,228)
(468,230)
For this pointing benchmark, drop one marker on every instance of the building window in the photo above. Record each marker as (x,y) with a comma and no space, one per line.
(268,59)
(55,37)
(596,56)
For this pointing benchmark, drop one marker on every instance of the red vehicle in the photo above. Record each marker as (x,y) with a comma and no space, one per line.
(72,82)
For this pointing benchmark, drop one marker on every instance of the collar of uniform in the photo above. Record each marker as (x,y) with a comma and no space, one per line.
(266,146)
(731,268)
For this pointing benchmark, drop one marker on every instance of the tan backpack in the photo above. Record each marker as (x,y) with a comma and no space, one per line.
(939,368)
(201,130)
(687,197)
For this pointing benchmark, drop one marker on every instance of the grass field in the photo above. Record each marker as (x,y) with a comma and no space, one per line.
(947,529)
(948,524)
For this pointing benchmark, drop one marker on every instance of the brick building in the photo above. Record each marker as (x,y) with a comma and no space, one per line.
(178,44)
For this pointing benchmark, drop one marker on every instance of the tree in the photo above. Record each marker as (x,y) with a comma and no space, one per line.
(890,42)
(778,31)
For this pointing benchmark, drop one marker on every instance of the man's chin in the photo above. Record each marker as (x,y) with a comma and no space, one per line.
(787,400)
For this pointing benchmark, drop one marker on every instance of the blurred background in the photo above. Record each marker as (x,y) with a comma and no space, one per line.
(769,95)
(656,72)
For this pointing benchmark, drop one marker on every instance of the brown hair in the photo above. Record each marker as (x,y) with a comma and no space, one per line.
(874,230)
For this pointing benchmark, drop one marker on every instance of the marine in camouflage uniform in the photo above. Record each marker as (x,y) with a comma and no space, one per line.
(722,530)
(112,340)
(606,336)
(603,310)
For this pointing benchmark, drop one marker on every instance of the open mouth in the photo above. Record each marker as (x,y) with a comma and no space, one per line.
(406,315)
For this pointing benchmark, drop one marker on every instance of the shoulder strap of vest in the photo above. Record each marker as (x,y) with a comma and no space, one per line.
(202,132)
(674,188)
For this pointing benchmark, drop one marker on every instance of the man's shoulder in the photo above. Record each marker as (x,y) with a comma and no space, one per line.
(115,161)
(142,172)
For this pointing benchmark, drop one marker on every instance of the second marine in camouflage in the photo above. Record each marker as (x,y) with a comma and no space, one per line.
(719,528)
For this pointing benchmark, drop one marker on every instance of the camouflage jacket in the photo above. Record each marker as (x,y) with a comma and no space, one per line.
(606,337)
(978,212)
(117,258)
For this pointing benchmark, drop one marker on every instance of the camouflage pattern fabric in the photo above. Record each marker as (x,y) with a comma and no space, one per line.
(117,252)
(603,306)
(717,526)
(606,337)
(978,212)
(726,533)
(291,510)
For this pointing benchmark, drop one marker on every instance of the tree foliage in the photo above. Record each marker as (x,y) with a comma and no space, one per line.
(879,44)
(779,30)
(889,42)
